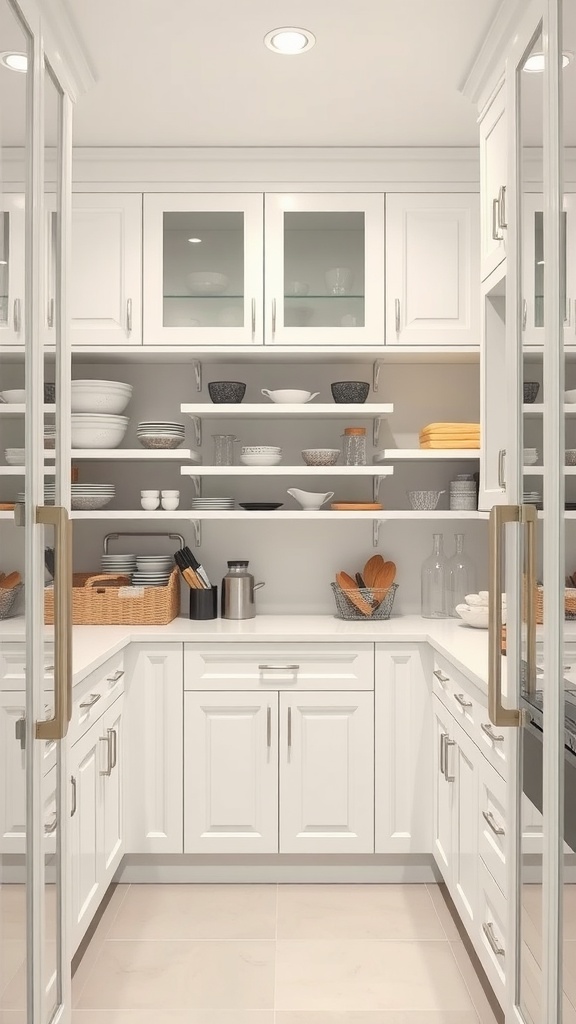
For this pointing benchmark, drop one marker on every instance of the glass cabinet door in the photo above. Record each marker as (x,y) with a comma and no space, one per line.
(203,269)
(324,269)
(533,269)
(12,217)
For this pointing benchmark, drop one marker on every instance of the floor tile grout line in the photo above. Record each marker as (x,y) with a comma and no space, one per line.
(97,951)
(433,901)
(466,985)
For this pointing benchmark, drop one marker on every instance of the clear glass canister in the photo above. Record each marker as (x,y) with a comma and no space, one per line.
(354,446)
(224,449)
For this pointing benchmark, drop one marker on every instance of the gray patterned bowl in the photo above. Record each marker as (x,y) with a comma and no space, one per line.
(49,393)
(424,501)
(321,456)
(226,391)
(152,441)
(353,391)
(531,389)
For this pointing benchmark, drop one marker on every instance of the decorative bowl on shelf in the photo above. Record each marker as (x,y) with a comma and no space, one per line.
(321,456)
(424,501)
(16,396)
(165,441)
(96,430)
(530,389)
(570,457)
(49,393)
(290,396)
(207,282)
(350,391)
(100,396)
(231,391)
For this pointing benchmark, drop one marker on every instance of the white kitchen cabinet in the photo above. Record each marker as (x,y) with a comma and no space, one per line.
(87,885)
(403,749)
(533,269)
(432,269)
(279,666)
(154,723)
(462,766)
(230,772)
(218,239)
(111,789)
(324,269)
(13,772)
(12,269)
(443,792)
(493,181)
(326,772)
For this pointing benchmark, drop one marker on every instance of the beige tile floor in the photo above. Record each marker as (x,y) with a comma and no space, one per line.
(313,954)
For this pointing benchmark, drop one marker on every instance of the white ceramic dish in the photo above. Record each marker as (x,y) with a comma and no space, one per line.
(570,397)
(260,460)
(97,435)
(309,501)
(290,396)
(207,282)
(321,456)
(16,396)
(100,396)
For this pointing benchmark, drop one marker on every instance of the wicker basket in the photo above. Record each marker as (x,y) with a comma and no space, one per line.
(99,600)
(348,610)
(8,600)
(569,603)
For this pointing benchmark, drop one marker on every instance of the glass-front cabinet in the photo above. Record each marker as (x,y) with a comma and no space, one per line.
(533,269)
(12,269)
(203,269)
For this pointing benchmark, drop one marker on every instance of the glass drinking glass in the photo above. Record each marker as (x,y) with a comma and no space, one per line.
(224,449)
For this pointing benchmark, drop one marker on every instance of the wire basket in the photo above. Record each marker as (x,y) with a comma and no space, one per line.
(8,599)
(370,604)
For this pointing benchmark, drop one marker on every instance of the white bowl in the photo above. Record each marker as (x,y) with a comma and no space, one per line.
(476,617)
(13,397)
(170,504)
(150,504)
(100,396)
(321,456)
(291,396)
(103,436)
(570,397)
(260,460)
(207,282)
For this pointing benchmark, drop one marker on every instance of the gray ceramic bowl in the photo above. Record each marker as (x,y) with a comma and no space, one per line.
(354,391)
(226,391)
(531,389)
(49,393)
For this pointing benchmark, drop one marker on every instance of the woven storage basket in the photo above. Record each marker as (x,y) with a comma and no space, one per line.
(8,600)
(569,604)
(99,600)
(348,610)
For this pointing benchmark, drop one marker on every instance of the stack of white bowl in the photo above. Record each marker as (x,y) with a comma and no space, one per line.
(15,456)
(96,430)
(260,455)
(119,565)
(96,420)
(153,570)
(530,456)
(160,434)
(86,497)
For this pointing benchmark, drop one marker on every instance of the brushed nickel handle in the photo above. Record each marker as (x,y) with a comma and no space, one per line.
(20,730)
(129,316)
(74,796)
(273,318)
(269,727)
(92,700)
(488,929)
(278,668)
(17,316)
(524,314)
(289,730)
(440,675)
(530,519)
(461,700)
(50,314)
(499,517)
(117,675)
(443,737)
(487,728)
(491,820)
(502,223)
(495,217)
(55,728)
(114,748)
(253,319)
(108,740)
(448,743)
(501,462)
(397,315)
(51,826)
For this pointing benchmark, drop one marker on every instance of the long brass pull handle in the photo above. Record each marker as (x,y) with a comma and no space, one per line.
(289,729)
(129,316)
(74,796)
(278,668)
(448,743)
(443,737)
(461,700)
(491,820)
(273,318)
(51,827)
(117,675)
(269,727)
(92,700)
(253,319)
(17,316)
(107,739)
(501,476)
(499,516)
(530,519)
(487,728)
(488,929)
(502,223)
(397,315)
(56,728)
(440,675)
(495,229)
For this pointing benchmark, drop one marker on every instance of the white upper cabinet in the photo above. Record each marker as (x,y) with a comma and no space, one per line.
(493,180)
(203,269)
(432,269)
(533,269)
(324,277)
(12,269)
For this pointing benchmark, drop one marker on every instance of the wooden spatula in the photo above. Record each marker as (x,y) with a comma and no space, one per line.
(384,579)
(350,588)
(12,580)
(371,570)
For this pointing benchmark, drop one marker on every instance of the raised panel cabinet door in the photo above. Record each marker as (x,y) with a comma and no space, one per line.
(154,723)
(111,784)
(403,749)
(442,846)
(86,762)
(432,269)
(327,773)
(230,773)
(493,178)
(12,269)
(462,770)
(106,269)
(13,772)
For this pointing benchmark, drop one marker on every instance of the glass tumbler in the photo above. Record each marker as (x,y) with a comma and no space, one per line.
(224,449)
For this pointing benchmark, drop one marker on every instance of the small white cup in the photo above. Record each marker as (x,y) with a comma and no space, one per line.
(150,504)
(170,504)
(149,494)
(170,494)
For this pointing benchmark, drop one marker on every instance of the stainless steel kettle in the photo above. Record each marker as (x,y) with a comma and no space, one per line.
(238,592)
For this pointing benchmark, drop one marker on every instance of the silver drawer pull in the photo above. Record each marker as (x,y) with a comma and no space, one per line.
(448,743)
(92,700)
(51,826)
(117,675)
(109,765)
(491,820)
(488,929)
(440,675)
(278,668)
(461,699)
(74,796)
(487,728)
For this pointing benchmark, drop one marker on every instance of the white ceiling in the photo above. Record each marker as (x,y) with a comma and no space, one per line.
(185,73)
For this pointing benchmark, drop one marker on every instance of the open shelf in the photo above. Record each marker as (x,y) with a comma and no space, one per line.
(277,354)
(279,411)
(226,471)
(426,454)
(21,470)
(136,454)
(286,514)
(537,409)
(19,408)
(539,470)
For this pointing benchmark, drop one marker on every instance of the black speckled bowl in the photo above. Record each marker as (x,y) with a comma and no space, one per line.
(354,391)
(226,391)
(531,389)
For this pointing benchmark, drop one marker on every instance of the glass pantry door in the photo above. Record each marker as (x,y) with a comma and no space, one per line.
(324,269)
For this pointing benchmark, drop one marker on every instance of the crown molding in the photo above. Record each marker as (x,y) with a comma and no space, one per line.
(65,50)
(488,66)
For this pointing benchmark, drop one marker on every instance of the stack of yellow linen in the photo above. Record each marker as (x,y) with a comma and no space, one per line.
(450,435)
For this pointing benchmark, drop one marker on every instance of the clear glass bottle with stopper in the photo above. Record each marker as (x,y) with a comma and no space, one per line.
(354,446)
(433,581)
(459,578)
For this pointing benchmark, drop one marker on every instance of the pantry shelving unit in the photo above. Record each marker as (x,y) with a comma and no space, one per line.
(135,455)
(427,455)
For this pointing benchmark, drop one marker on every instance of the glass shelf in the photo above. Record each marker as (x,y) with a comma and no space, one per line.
(303,298)
(194,298)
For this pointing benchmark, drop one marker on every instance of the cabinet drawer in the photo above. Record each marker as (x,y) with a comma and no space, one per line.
(13,666)
(95,694)
(492,823)
(279,667)
(491,938)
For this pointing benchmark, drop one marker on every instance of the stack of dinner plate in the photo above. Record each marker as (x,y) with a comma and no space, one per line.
(154,563)
(533,498)
(212,504)
(150,579)
(86,497)
(14,456)
(160,434)
(119,565)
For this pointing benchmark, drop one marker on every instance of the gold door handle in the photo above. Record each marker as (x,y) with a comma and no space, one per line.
(56,728)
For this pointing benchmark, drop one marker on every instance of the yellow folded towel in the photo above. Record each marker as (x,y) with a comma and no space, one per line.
(451,428)
(447,442)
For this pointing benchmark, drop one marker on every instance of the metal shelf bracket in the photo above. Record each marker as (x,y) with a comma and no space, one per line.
(197,430)
(378,480)
(197,527)
(197,366)
(197,485)
(376,430)
(377,366)
(376,531)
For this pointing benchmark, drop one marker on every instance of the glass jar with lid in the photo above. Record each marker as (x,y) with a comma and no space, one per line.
(354,446)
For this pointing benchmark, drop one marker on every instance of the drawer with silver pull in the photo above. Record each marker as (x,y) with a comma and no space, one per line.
(492,825)
(13,666)
(491,937)
(94,695)
(279,666)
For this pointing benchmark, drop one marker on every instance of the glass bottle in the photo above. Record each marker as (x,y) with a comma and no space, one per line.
(224,449)
(354,446)
(433,580)
(459,578)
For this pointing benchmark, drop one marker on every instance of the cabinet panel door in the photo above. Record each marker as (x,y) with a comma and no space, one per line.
(154,722)
(403,750)
(462,760)
(112,804)
(327,773)
(106,269)
(493,177)
(443,792)
(87,760)
(12,269)
(231,773)
(533,269)
(432,269)
(13,772)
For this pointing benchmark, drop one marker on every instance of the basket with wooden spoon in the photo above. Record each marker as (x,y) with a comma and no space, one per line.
(375,599)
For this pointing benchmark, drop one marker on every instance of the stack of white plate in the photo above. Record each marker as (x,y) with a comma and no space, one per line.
(212,504)
(15,456)
(87,497)
(530,456)
(532,498)
(100,396)
(154,563)
(150,579)
(261,455)
(160,434)
(49,435)
(120,565)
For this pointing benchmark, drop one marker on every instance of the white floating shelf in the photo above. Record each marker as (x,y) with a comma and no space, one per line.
(426,454)
(136,454)
(6,515)
(283,514)
(18,409)
(239,471)
(539,470)
(277,410)
(538,409)
(21,470)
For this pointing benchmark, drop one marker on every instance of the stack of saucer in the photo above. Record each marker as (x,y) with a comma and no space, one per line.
(530,456)
(261,455)
(87,497)
(151,579)
(160,434)
(120,565)
(154,563)
(212,504)
(532,498)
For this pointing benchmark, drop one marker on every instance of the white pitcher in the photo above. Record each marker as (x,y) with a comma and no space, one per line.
(310,501)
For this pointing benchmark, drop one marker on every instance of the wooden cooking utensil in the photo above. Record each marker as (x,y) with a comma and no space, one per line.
(350,588)
(384,579)
(12,580)
(192,579)
(371,569)
(360,581)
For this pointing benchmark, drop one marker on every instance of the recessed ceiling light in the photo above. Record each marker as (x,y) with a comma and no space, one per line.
(536,62)
(14,61)
(289,40)
(195,241)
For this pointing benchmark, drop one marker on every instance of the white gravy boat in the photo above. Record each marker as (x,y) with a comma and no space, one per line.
(310,501)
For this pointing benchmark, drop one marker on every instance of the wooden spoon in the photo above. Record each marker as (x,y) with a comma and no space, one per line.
(371,569)
(350,588)
(11,581)
(384,580)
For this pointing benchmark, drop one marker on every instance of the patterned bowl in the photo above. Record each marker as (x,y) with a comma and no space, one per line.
(167,442)
(353,391)
(321,456)
(231,391)
(531,389)
(424,501)
(570,457)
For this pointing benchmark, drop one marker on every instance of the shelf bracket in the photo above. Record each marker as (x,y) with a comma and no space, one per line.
(377,523)
(197,485)
(376,483)
(197,430)
(376,430)
(197,366)
(378,364)
(197,527)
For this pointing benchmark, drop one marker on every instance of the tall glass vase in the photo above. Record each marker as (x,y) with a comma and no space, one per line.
(460,577)
(433,579)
